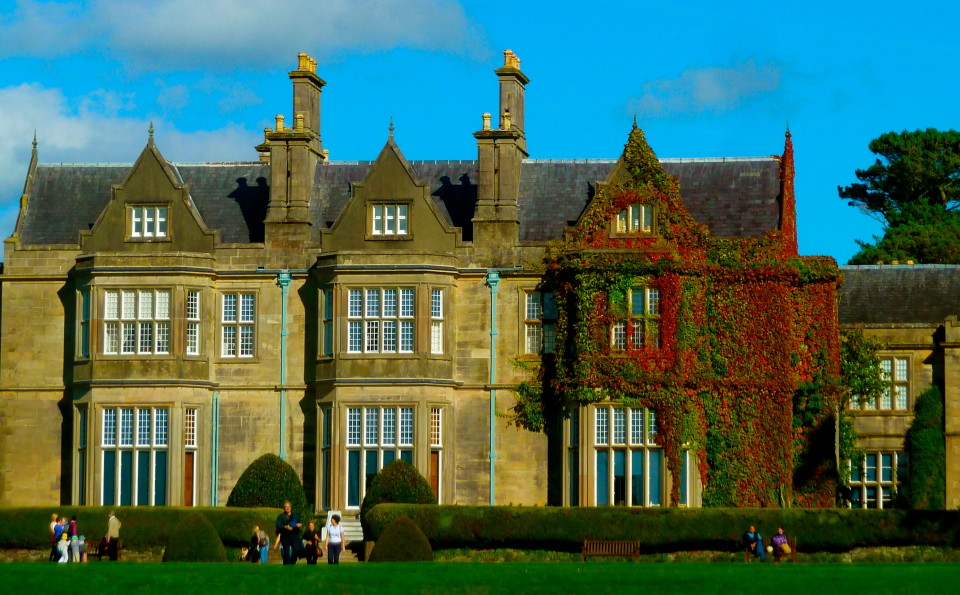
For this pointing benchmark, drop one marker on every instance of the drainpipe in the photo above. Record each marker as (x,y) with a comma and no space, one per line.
(215,447)
(283,280)
(493,280)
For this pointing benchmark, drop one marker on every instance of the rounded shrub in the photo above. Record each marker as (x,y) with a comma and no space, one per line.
(268,482)
(402,541)
(399,483)
(195,540)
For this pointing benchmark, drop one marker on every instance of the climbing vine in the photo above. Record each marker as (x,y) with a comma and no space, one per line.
(745,372)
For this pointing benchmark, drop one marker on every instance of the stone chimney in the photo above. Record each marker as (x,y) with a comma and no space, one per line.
(513,84)
(500,154)
(293,154)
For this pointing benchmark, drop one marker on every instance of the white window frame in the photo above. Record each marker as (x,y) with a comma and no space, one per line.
(874,484)
(635,219)
(381,320)
(136,322)
(149,221)
(192,335)
(369,430)
(389,219)
(123,430)
(238,324)
(436,321)
(629,430)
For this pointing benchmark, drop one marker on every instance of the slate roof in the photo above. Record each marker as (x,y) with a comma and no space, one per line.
(902,294)
(734,197)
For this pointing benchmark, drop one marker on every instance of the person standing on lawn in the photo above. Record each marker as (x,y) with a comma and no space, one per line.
(113,537)
(288,534)
(336,538)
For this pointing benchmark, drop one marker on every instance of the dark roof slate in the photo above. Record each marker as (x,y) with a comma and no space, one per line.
(904,294)
(734,197)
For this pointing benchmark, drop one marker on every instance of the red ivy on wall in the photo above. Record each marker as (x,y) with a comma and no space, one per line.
(748,361)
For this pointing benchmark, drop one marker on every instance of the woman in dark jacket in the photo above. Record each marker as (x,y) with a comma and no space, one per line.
(311,541)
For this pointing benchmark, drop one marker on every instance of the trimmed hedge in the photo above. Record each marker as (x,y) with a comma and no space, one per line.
(398,482)
(269,481)
(667,529)
(195,540)
(142,527)
(402,541)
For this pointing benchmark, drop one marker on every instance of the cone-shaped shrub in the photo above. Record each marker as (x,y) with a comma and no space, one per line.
(400,483)
(268,482)
(402,541)
(195,540)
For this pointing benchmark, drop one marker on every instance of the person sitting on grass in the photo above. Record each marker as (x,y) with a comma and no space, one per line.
(753,543)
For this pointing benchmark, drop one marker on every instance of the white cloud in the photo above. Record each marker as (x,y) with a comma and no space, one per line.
(181,34)
(706,90)
(238,98)
(89,130)
(44,29)
(173,98)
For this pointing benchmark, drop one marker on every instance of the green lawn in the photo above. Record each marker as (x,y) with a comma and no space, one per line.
(592,578)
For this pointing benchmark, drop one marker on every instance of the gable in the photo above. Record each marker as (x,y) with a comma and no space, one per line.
(150,211)
(392,209)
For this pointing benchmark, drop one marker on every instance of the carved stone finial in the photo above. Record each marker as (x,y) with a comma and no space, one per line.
(279,119)
(486,120)
(150,130)
(390,128)
(34,139)
(510,59)
(634,120)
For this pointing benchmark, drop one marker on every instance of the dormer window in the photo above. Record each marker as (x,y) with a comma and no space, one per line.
(389,220)
(635,219)
(148,222)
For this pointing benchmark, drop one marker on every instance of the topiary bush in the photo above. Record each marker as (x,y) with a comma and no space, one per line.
(269,481)
(400,483)
(925,487)
(403,541)
(195,540)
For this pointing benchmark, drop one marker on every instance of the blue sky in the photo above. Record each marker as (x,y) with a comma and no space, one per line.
(704,79)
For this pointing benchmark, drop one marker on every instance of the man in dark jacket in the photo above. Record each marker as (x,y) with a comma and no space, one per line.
(288,529)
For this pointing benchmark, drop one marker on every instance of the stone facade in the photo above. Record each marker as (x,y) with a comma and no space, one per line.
(165,324)
(911,310)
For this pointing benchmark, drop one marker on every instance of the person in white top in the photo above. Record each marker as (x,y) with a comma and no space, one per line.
(336,539)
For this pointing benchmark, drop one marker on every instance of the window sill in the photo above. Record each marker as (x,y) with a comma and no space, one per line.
(138,240)
(389,238)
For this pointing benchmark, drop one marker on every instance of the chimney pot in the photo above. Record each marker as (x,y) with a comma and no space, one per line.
(279,119)
(486,120)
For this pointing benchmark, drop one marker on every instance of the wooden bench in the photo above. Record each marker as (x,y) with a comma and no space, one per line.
(99,550)
(625,549)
